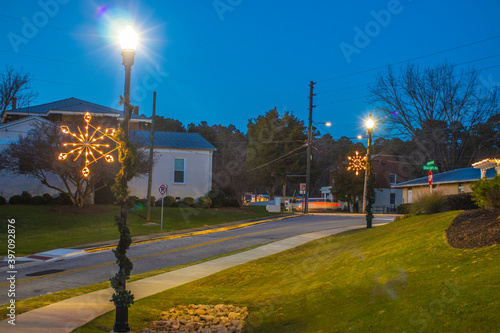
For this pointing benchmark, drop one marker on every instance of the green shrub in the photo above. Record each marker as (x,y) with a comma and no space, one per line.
(235,203)
(133,200)
(404,208)
(429,204)
(15,200)
(37,200)
(480,190)
(492,199)
(218,198)
(168,201)
(62,199)
(25,198)
(203,202)
(405,216)
(462,201)
(3,201)
(188,202)
(144,202)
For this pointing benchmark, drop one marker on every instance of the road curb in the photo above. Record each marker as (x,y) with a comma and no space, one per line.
(194,233)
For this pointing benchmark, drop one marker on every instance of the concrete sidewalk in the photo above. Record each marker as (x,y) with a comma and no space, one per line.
(69,314)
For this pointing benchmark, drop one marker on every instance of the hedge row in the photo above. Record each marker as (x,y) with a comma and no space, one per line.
(214,199)
(27,199)
(169,201)
(462,201)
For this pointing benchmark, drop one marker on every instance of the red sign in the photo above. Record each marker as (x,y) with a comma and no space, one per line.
(430,178)
(162,189)
(302,186)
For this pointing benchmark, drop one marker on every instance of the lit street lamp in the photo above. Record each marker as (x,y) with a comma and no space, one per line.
(128,41)
(123,298)
(369,127)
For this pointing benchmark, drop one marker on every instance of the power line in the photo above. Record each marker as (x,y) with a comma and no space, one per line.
(277,159)
(367,84)
(412,59)
(360,97)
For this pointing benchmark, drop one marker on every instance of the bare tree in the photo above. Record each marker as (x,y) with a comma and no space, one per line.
(16,84)
(436,108)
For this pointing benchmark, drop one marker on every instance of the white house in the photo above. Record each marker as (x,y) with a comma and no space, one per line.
(184,164)
(184,160)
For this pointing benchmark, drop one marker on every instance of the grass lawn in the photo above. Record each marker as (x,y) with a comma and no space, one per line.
(402,277)
(43,228)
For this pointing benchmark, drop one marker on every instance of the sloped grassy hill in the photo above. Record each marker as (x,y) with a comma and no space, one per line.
(402,277)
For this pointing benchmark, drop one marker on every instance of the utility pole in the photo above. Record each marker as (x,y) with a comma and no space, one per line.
(309,142)
(150,177)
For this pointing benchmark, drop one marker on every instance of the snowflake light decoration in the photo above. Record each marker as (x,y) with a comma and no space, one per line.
(89,145)
(356,163)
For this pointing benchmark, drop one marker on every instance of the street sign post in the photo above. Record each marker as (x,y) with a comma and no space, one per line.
(162,190)
(430,179)
(430,166)
(302,188)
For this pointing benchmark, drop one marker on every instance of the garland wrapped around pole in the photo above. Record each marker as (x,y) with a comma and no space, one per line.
(123,298)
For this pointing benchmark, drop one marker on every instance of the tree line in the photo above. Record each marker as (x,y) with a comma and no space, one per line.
(423,113)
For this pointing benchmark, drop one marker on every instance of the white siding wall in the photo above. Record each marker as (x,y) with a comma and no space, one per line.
(383,197)
(197,174)
(12,185)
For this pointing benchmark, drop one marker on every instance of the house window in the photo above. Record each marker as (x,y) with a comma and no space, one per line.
(179,170)
(392,199)
(392,178)
(461,188)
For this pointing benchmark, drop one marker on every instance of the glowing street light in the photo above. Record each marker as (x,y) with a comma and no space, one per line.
(129,38)
(128,41)
(369,128)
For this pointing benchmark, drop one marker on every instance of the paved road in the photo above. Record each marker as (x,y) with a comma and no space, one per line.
(34,279)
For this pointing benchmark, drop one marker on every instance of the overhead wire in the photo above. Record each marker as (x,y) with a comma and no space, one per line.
(277,159)
(412,59)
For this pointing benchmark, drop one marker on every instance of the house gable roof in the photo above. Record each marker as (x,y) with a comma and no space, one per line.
(175,140)
(10,132)
(453,176)
(19,122)
(72,105)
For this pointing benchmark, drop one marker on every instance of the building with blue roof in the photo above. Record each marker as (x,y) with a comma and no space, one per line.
(183,160)
(183,164)
(67,109)
(447,183)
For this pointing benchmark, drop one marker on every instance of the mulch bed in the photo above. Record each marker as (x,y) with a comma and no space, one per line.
(473,229)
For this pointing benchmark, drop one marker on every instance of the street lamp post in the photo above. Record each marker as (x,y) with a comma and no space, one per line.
(122,297)
(369,127)
(128,41)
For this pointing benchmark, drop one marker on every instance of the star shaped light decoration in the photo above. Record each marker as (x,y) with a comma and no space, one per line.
(91,145)
(356,163)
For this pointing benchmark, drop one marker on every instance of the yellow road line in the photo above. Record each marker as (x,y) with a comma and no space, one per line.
(81,269)
(195,233)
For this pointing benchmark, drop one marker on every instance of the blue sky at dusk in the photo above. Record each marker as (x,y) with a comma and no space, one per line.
(227,61)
